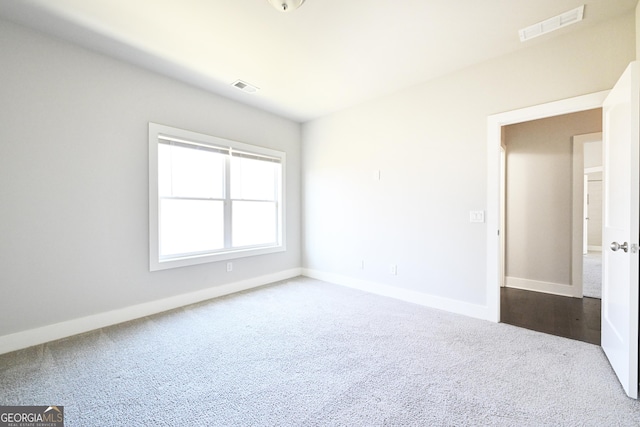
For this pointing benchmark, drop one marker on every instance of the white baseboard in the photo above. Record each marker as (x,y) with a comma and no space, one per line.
(440,303)
(539,286)
(31,337)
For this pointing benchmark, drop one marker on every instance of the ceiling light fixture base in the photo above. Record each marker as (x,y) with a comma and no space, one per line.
(286,5)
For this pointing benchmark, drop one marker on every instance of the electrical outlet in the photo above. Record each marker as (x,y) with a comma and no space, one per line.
(362,265)
(476,216)
(229,266)
(393,269)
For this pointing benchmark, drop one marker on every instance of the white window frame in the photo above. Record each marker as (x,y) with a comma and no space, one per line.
(156,262)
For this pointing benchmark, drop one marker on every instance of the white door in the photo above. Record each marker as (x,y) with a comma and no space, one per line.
(621,222)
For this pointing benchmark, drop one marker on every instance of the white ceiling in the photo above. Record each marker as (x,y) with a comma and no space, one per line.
(321,58)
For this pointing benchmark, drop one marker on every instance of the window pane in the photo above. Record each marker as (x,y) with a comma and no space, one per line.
(188,226)
(253,179)
(253,223)
(189,172)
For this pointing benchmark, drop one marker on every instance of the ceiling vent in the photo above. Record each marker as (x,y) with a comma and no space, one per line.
(244,86)
(552,24)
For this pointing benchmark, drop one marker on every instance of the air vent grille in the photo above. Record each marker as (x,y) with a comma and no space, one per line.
(244,86)
(552,24)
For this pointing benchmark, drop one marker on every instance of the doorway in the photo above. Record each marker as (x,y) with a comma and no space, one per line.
(620,223)
(496,124)
(544,225)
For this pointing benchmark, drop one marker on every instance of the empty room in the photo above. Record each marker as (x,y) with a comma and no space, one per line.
(292,212)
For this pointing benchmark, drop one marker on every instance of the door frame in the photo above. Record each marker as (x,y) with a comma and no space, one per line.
(579,227)
(581,186)
(585,213)
(495,124)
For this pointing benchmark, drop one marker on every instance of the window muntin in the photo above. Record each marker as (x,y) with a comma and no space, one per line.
(212,199)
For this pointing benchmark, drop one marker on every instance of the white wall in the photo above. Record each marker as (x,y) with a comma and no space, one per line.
(74,181)
(429,142)
(539,197)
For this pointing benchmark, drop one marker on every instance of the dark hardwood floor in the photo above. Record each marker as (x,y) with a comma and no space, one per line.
(574,318)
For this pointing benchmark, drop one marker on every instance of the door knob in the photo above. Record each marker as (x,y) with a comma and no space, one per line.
(615,246)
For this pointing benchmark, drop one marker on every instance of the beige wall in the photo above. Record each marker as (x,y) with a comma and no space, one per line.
(539,188)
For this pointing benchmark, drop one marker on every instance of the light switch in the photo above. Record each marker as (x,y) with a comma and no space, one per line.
(476,216)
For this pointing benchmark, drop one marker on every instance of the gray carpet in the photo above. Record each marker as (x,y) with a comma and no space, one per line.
(592,275)
(309,353)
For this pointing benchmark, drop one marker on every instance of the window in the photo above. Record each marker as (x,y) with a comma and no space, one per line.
(211,199)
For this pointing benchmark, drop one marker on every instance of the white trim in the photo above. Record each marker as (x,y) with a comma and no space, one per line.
(494,138)
(540,286)
(585,214)
(31,337)
(578,201)
(503,216)
(431,301)
(594,169)
(586,138)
